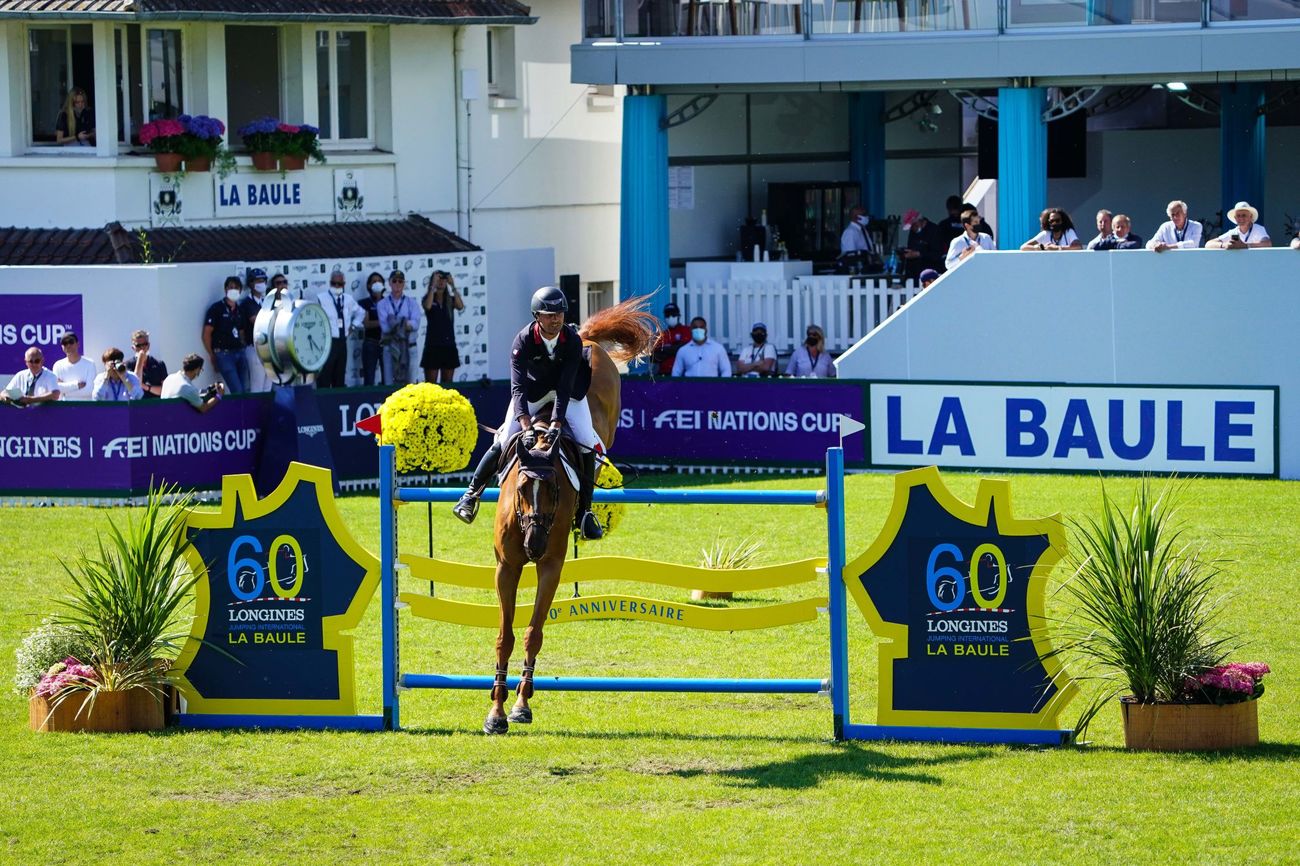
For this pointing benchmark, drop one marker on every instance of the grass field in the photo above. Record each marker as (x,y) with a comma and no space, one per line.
(647,779)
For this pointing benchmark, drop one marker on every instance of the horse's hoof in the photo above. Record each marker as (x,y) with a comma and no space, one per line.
(495,725)
(521,715)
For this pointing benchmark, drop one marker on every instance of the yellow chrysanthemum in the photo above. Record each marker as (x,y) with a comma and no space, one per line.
(433,428)
(608,513)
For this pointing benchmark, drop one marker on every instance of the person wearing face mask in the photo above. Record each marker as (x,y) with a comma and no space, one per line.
(671,338)
(970,241)
(249,307)
(702,356)
(180,385)
(223,337)
(811,360)
(857,250)
(346,318)
(370,347)
(546,366)
(759,359)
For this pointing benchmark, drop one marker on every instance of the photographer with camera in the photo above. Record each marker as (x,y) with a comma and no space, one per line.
(117,384)
(181,385)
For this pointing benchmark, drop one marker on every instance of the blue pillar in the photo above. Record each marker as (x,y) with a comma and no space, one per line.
(1022,164)
(644,212)
(867,149)
(1241,146)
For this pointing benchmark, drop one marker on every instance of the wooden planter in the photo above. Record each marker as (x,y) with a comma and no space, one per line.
(113,712)
(263,160)
(198,163)
(167,163)
(1182,727)
(292,163)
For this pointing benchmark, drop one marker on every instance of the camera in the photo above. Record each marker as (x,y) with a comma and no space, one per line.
(118,366)
(208,393)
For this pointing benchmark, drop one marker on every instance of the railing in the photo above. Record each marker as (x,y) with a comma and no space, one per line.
(846,308)
(606,19)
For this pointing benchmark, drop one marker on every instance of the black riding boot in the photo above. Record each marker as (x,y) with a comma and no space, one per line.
(587,522)
(467,508)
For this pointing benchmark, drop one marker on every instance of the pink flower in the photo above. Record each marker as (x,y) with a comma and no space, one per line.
(285,127)
(1255,670)
(69,673)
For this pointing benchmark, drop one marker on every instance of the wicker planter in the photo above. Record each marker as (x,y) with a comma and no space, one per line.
(292,163)
(113,712)
(198,163)
(167,163)
(263,160)
(1181,727)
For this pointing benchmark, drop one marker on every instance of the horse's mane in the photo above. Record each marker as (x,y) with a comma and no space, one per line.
(627,330)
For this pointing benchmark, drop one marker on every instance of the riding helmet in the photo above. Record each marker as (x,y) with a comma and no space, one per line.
(549,299)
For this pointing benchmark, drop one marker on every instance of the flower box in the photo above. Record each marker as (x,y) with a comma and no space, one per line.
(113,712)
(1169,727)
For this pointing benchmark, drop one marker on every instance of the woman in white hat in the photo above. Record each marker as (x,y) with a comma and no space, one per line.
(1247,232)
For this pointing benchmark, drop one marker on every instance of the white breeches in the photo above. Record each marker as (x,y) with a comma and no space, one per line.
(577,417)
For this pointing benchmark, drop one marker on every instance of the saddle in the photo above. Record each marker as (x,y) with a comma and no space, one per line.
(538,462)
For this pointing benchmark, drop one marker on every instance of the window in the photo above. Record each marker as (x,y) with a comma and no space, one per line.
(252,74)
(130,84)
(59,59)
(164,74)
(501,61)
(343,84)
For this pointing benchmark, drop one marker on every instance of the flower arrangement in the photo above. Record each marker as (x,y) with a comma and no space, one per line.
(433,428)
(42,648)
(1227,684)
(610,514)
(260,135)
(163,136)
(269,135)
(302,141)
(202,136)
(67,675)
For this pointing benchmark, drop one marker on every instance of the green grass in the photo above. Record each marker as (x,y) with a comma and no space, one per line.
(647,779)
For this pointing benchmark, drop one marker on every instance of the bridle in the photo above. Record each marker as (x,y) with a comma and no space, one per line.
(536,521)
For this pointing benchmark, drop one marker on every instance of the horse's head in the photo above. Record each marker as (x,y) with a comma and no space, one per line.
(538,497)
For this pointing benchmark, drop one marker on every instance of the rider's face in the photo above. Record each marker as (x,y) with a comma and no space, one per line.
(550,324)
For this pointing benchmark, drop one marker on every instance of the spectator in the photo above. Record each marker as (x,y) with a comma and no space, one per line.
(703,356)
(857,249)
(1122,238)
(928,276)
(1104,228)
(811,360)
(75,372)
(258,379)
(1248,233)
(670,339)
(32,385)
(280,291)
(370,348)
(1295,242)
(759,359)
(346,317)
(970,241)
(117,384)
(1057,234)
(925,248)
(441,302)
(181,385)
(76,123)
(399,319)
(223,337)
(149,370)
(1178,233)
(951,228)
(982,227)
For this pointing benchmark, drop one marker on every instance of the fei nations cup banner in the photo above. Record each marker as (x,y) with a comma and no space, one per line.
(35,320)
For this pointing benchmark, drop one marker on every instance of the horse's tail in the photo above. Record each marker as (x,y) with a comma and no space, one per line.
(627,329)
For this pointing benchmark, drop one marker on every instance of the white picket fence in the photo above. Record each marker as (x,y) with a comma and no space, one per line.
(846,308)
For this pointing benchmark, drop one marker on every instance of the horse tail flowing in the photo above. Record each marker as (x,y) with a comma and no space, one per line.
(627,330)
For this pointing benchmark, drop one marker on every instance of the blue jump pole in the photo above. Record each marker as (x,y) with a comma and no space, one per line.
(625,684)
(642,497)
(835,589)
(388,584)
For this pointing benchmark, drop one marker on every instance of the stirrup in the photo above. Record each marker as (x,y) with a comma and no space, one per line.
(590,526)
(467,508)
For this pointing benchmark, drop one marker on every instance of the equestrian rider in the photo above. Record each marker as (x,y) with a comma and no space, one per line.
(546,366)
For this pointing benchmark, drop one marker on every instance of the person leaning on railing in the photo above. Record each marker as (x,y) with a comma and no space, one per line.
(116,384)
(1178,232)
(181,385)
(1247,233)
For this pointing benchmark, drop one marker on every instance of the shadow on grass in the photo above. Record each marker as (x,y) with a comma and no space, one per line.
(846,760)
(1263,752)
(521,731)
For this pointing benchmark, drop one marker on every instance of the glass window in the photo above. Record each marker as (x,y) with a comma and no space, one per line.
(252,75)
(163,53)
(130,87)
(501,61)
(343,84)
(61,59)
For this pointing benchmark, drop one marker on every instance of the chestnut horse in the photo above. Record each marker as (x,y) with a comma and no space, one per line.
(540,510)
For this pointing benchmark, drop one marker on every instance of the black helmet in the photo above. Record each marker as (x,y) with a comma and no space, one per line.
(549,299)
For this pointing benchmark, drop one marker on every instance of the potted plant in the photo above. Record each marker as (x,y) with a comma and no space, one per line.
(263,141)
(726,556)
(123,618)
(1142,625)
(164,138)
(201,144)
(298,143)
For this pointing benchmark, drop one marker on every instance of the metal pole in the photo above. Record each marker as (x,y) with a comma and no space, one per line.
(625,684)
(836,594)
(388,584)
(429,516)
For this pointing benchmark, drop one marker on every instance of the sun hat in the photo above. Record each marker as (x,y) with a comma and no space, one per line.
(1244,205)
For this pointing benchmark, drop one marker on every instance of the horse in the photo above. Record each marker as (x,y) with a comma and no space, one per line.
(534,500)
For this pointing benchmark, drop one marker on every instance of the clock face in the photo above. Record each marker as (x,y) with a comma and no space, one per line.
(309,337)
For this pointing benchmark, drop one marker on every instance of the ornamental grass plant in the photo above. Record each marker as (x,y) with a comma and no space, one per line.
(1143,605)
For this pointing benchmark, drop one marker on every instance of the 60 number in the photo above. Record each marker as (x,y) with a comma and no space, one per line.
(234,563)
(935,573)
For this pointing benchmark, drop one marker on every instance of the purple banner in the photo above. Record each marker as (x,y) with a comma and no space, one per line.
(764,422)
(118,447)
(35,320)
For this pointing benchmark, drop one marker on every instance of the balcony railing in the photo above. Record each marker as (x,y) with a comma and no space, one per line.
(636,19)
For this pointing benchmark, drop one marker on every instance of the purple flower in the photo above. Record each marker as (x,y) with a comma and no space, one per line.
(309,129)
(262,126)
(202,126)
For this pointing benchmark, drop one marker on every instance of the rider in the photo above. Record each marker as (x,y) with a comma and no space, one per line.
(546,366)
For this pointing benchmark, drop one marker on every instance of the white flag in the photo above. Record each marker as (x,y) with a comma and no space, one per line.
(849,426)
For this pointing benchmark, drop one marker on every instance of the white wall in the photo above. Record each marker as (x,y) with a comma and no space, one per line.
(1195,317)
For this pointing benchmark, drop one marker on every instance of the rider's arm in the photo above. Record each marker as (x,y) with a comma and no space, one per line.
(568,375)
(519,378)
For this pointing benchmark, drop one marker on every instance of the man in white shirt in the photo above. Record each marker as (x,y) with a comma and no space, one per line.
(1178,233)
(117,384)
(759,359)
(702,356)
(33,385)
(75,372)
(346,317)
(1247,233)
(970,241)
(180,385)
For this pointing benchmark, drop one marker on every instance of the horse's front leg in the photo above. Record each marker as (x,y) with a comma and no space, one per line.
(507,581)
(548,581)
